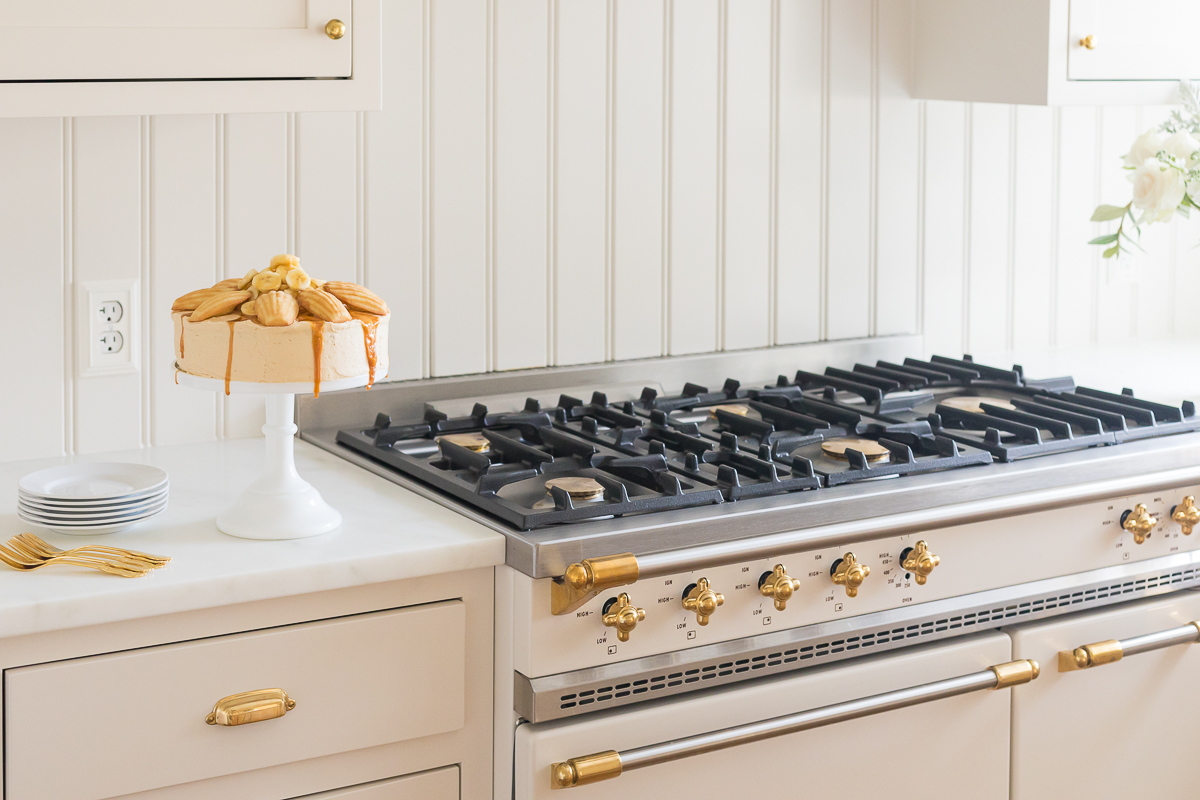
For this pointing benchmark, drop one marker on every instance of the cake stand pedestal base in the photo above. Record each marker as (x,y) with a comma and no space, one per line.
(280,504)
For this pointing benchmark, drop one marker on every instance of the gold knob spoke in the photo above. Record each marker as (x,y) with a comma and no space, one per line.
(849,573)
(622,614)
(1139,522)
(779,586)
(701,599)
(1187,515)
(919,561)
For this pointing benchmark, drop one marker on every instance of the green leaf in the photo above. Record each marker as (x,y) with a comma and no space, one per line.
(1112,251)
(1108,239)
(1103,213)
(1182,211)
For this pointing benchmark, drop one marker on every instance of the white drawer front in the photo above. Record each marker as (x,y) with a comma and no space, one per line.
(437,784)
(135,720)
(155,40)
(1120,730)
(1132,41)
(925,751)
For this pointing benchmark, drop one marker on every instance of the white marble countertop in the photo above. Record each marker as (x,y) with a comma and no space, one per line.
(388,533)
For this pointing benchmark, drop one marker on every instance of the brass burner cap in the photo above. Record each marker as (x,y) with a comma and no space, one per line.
(873,450)
(578,488)
(965,402)
(733,408)
(471,441)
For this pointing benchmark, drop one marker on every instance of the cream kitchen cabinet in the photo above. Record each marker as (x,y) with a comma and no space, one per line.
(81,57)
(1054,52)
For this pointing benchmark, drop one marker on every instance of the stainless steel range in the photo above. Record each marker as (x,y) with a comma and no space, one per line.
(697,543)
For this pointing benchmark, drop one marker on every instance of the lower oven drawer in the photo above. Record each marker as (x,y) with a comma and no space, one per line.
(1125,728)
(932,749)
(140,719)
(436,784)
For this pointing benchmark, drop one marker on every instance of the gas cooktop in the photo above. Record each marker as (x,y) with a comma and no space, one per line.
(581,460)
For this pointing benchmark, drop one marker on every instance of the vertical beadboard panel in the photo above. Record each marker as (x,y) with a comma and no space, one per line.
(580,174)
(107,245)
(1155,271)
(255,221)
(747,218)
(183,257)
(1187,276)
(520,201)
(395,214)
(327,194)
(988,203)
(695,93)
(945,201)
(897,120)
(849,188)
(637,181)
(1116,315)
(1075,312)
(458,224)
(1033,214)
(31,257)
(800,206)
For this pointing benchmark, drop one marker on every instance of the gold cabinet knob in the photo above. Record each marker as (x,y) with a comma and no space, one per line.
(1088,41)
(246,707)
(335,29)
(623,615)
(848,572)
(1186,514)
(1139,522)
(778,585)
(703,600)
(919,561)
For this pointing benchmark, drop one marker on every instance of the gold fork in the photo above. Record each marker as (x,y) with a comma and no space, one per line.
(41,548)
(19,562)
(20,550)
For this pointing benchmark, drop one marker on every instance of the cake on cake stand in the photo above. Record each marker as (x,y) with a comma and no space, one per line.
(280,504)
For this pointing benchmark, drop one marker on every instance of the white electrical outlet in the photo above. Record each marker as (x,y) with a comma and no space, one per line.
(107,326)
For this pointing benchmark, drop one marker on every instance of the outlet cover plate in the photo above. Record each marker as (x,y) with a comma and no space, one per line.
(107,325)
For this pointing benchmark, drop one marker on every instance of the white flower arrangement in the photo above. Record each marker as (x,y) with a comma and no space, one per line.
(1164,168)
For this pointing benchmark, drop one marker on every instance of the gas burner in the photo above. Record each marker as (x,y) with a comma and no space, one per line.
(888,454)
(529,475)
(975,403)
(873,451)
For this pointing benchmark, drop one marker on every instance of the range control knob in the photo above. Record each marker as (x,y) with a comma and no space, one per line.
(846,571)
(1186,514)
(1139,522)
(779,585)
(622,614)
(700,597)
(919,561)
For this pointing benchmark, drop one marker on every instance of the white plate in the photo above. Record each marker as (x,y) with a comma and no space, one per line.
(91,482)
(57,524)
(90,508)
(91,519)
(91,530)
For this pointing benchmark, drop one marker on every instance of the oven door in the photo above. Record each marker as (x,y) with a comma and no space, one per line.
(930,744)
(1117,717)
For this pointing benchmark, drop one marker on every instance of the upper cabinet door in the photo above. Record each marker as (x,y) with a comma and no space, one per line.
(173,39)
(125,57)
(1132,41)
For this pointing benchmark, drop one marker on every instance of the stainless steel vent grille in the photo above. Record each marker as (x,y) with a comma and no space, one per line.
(580,692)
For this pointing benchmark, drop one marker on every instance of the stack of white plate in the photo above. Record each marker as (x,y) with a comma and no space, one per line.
(92,498)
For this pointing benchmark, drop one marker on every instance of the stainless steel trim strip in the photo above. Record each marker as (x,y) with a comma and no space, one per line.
(570,694)
(1185,634)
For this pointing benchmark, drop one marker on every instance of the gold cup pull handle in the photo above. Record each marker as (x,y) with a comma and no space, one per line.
(246,707)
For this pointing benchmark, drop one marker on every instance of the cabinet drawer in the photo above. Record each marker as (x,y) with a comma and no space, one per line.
(438,784)
(136,720)
(1130,41)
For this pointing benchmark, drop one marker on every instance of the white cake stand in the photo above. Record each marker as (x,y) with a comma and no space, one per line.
(280,504)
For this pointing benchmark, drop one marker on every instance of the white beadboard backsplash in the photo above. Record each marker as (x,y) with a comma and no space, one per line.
(569,181)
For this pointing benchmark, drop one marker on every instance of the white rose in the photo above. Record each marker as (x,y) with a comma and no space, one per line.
(1147,146)
(1183,147)
(1157,190)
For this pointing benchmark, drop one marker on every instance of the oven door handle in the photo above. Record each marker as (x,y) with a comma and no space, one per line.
(610,763)
(1113,650)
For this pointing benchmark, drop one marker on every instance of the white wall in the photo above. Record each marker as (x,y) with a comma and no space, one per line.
(566,181)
